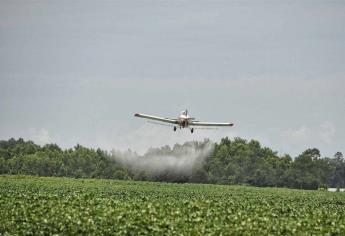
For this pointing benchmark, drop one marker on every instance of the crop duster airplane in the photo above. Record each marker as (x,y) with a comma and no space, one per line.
(183,121)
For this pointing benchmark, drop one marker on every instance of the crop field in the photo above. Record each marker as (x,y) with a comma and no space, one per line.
(42,206)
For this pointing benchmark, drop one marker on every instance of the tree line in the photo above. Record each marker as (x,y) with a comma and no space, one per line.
(236,161)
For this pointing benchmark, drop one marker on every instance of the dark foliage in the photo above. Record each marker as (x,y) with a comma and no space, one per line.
(235,161)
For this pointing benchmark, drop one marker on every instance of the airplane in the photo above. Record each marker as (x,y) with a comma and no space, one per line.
(183,121)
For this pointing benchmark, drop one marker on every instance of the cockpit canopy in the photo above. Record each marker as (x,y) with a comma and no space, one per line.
(185,112)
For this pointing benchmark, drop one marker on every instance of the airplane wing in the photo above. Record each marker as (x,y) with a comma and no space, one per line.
(167,120)
(197,123)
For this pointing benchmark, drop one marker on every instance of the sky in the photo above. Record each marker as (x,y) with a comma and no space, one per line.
(75,72)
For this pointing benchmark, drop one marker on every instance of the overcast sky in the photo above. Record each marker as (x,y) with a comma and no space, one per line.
(76,71)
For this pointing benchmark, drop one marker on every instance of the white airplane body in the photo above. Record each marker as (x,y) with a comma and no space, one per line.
(183,121)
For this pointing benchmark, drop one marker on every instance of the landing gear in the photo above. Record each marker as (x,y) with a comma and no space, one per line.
(175,128)
(191,130)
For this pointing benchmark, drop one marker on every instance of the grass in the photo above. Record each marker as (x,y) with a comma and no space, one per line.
(42,205)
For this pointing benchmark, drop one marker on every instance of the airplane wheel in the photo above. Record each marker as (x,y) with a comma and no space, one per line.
(191,130)
(175,128)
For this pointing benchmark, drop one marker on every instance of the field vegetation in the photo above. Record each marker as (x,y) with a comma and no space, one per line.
(64,206)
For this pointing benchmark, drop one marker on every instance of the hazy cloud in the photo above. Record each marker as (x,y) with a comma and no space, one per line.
(40,136)
(327,131)
(299,135)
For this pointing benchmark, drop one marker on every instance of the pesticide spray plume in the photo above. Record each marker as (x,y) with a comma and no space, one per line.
(178,160)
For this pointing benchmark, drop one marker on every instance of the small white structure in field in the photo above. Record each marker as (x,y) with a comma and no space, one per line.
(336,189)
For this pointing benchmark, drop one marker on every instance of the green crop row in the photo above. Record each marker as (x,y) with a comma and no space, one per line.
(62,206)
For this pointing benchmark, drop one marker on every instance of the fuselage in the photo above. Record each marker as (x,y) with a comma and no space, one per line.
(184,119)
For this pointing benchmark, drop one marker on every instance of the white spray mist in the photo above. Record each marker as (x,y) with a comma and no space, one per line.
(181,159)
